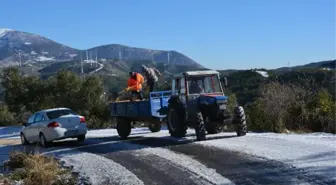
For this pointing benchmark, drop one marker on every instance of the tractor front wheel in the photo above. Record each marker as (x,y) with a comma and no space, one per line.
(240,121)
(199,127)
(155,127)
(124,128)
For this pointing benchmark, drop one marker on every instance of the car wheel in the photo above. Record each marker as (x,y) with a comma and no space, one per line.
(43,142)
(23,139)
(81,138)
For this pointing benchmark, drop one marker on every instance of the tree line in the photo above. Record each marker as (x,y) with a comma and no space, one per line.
(87,95)
(24,95)
(300,100)
(297,100)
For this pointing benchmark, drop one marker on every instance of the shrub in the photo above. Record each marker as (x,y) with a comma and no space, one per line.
(282,107)
(322,112)
(274,106)
(35,169)
(6,117)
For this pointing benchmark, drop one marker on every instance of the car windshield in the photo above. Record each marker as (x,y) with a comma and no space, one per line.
(204,84)
(58,113)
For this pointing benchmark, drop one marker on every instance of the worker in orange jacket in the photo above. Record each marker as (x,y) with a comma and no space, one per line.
(134,84)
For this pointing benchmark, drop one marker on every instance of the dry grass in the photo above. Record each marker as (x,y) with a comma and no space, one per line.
(35,169)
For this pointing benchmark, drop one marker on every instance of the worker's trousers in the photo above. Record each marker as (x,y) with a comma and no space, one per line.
(151,85)
(138,94)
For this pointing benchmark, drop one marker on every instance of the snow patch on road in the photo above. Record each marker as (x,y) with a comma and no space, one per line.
(10,132)
(100,170)
(188,163)
(100,133)
(315,153)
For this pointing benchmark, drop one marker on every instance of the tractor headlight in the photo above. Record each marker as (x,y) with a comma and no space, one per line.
(221,102)
(222,106)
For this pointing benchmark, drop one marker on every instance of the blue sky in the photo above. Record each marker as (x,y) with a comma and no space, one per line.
(219,34)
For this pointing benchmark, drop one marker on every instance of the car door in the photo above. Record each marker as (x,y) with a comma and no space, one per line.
(36,125)
(41,123)
(27,131)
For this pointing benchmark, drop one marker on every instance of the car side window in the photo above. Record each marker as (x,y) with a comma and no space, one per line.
(38,118)
(31,119)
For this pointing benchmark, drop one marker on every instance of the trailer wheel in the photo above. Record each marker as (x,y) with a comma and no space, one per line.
(240,121)
(155,127)
(124,128)
(199,127)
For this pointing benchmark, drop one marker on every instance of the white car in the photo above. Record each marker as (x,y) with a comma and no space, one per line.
(48,125)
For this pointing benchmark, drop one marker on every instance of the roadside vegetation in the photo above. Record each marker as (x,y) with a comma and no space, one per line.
(299,101)
(32,169)
(296,100)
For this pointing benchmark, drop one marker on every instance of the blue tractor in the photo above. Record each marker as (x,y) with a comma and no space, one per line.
(198,101)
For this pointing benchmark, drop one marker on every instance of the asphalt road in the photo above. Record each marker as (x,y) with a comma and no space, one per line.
(155,161)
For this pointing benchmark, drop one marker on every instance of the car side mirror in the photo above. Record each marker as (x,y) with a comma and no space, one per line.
(24,124)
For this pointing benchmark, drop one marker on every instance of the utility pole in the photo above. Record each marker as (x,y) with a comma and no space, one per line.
(168,55)
(20,60)
(82,71)
(90,58)
(96,58)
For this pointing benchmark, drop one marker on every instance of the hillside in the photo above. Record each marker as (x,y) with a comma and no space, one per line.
(327,64)
(126,53)
(113,67)
(32,48)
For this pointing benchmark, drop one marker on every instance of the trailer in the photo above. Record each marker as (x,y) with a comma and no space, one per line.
(148,111)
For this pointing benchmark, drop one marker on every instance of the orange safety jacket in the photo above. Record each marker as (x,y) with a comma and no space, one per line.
(135,84)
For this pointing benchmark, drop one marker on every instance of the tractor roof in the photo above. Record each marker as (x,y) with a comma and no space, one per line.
(196,73)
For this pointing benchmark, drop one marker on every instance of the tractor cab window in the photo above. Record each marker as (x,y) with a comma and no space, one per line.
(178,86)
(204,84)
(182,86)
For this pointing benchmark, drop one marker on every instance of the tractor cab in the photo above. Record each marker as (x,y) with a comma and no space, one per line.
(202,87)
(198,101)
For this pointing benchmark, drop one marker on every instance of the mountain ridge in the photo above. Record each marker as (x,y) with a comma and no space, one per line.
(32,48)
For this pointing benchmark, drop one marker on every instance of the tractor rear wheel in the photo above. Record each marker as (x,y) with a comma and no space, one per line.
(124,128)
(176,125)
(240,121)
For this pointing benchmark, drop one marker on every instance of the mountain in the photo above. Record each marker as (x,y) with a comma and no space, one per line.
(31,48)
(34,48)
(114,51)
